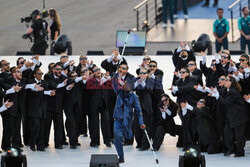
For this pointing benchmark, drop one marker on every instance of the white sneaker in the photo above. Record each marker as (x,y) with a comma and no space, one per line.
(186,16)
(171,25)
(175,16)
(164,25)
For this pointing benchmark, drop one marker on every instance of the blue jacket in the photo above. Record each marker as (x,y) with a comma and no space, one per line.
(125,103)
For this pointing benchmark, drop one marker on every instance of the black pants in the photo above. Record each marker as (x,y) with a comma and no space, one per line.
(57,119)
(37,127)
(26,129)
(72,124)
(235,138)
(140,137)
(11,131)
(94,127)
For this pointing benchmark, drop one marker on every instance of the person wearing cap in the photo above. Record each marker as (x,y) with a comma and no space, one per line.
(244,28)
(40,30)
(220,31)
(126,103)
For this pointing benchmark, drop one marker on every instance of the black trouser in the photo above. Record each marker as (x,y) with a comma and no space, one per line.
(11,131)
(94,127)
(235,138)
(190,136)
(215,1)
(37,127)
(159,137)
(57,119)
(26,129)
(72,124)
(83,122)
(140,137)
(110,99)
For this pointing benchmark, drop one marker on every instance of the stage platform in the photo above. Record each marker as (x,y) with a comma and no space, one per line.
(168,155)
(187,30)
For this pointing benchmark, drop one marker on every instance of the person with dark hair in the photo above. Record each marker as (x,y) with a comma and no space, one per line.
(213,73)
(55,28)
(40,30)
(244,28)
(37,115)
(123,114)
(208,137)
(145,64)
(220,31)
(182,55)
(5,69)
(237,117)
(110,65)
(56,81)
(143,87)
(73,107)
(68,65)
(97,108)
(165,123)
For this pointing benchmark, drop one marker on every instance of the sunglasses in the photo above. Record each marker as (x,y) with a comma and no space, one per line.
(22,62)
(212,65)
(6,64)
(221,79)
(226,79)
(143,73)
(83,71)
(224,57)
(83,58)
(59,69)
(65,56)
(152,66)
(95,70)
(124,68)
(242,59)
(190,64)
(39,73)
(19,72)
(164,100)
(182,72)
(241,67)
(72,76)
(202,101)
(146,59)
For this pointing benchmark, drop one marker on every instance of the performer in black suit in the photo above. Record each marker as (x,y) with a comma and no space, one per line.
(96,106)
(36,108)
(57,82)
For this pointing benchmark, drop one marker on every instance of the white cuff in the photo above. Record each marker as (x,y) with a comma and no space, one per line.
(68,88)
(30,86)
(204,60)
(189,107)
(179,49)
(71,68)
(208,90)
(3,108)
(187,48)
(200,88)
(66,64)
(136,84)
(47,92)
(175,88)
(168,112)
(109,59)
(23,68)
(84,81)
(78,79)
(10,91)
(152,76)
(63,73)
(248,101)
(184,111)
(60,85)
(217,58)
(163,114)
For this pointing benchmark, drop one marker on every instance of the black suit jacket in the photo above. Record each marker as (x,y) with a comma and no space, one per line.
(55,103)
(36,103)
(110,67)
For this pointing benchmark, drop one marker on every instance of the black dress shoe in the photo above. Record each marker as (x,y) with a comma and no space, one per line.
(41,149)
(205,5)
(65,143)
(121,161)
(21,145)
(73,147)
(59,147)
(46,145)
(93,145)
(85,135)
(228,153)
(215,5)
(138,146)
(78,144)
(108,144)
(33,148)
(239,155)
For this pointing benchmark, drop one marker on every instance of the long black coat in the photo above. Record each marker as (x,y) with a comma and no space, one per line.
(236,109)
(36,101)
(206,126)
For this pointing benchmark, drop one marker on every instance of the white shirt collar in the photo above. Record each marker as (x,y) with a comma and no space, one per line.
(55,76)
(37,80)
